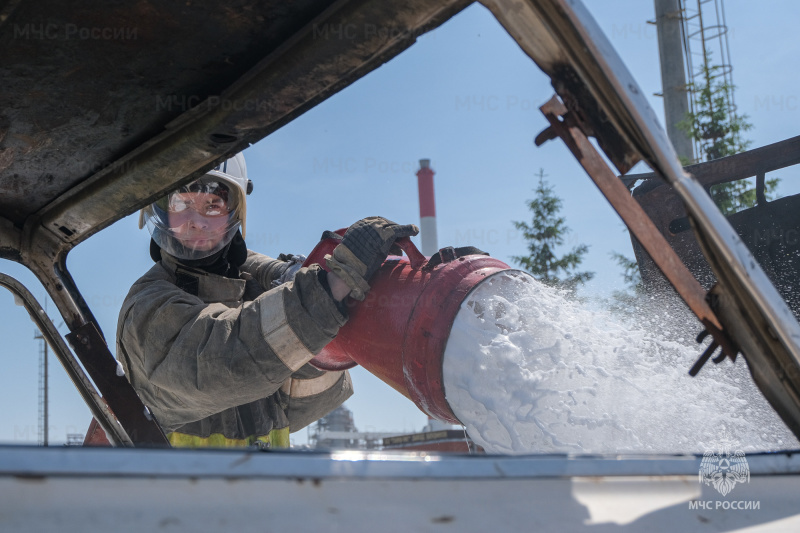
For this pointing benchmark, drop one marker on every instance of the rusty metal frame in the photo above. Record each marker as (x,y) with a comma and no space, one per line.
(563,39)
(568,126)
(756,162)
(666,208)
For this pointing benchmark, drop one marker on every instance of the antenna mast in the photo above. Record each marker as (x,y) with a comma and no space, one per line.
(44,422)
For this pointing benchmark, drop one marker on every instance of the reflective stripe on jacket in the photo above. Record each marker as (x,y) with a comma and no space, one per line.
(232,359)
(277,438)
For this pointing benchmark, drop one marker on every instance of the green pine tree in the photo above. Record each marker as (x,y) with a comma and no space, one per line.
(716,128)
(719,132)
(626,300)
(736,196)
(630,272)
(544,235)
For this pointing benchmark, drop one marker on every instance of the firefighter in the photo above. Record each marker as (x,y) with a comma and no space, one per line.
(216,339)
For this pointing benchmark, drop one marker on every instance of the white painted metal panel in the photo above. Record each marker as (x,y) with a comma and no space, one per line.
(148,490)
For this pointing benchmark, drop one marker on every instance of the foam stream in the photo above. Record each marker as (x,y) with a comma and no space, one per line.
(528,371)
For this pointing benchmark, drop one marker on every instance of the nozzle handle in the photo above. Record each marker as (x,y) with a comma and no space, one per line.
(415,257)
(326,246)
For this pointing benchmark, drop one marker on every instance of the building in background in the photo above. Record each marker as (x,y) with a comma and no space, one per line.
(439,441)
(337,430)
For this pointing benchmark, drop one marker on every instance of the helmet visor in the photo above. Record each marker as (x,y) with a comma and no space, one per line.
(196,220)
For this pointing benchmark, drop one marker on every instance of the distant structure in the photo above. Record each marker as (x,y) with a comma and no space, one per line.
(74,439)
(436,441)
(44,418)
(669,26)
(705,43)
(692,34)
(336,430)
(427,209)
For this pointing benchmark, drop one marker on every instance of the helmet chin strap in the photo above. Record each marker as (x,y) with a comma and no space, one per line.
(225,262)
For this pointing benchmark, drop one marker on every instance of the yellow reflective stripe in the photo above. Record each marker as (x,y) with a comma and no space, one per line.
(279,334)
(277,438)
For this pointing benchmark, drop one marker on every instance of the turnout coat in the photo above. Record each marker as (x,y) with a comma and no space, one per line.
(224,362)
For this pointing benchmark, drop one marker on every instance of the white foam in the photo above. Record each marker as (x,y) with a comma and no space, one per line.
(528,371)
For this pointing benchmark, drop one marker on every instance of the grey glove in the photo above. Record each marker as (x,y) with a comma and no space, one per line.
(293,264)
(363,249)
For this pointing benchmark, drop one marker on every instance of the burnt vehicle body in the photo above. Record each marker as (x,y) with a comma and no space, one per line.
(769,229)
(72,165)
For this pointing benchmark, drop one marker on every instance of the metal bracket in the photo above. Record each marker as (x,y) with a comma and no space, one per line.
(568,126)
(138,422)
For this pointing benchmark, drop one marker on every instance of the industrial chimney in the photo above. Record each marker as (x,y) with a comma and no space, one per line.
(427,208)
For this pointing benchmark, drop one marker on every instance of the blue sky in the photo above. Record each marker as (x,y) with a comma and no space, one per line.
(464,96)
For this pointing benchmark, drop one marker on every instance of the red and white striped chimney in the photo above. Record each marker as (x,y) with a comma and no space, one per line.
(427,208)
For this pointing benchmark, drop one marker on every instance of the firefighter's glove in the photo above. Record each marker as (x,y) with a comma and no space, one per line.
(293,263)
(364,247)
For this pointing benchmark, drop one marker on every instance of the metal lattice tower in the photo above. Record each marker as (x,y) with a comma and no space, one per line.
(705,43)
(44,421)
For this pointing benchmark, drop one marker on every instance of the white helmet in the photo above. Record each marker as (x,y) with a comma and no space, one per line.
(199,219)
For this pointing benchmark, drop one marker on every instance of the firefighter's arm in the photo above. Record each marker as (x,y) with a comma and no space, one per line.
(310,394)
(210,357)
